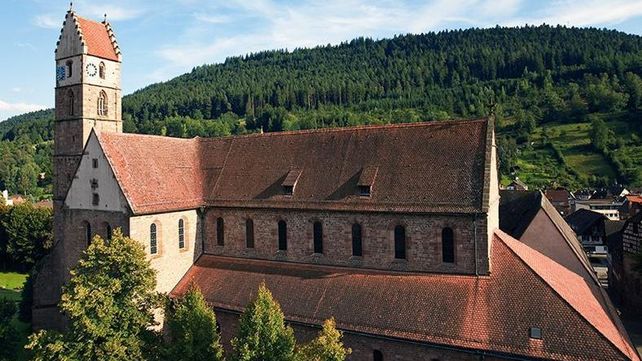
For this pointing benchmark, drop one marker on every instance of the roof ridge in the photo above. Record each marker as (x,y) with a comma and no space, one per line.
(315,131)
(351,128)
(510,242)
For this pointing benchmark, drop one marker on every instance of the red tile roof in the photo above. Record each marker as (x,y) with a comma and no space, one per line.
(421,167)
(634,198)
(156,174)
(97,38)
(494,313)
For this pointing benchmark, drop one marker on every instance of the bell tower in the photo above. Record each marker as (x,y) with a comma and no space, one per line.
(88,93)
(88,96)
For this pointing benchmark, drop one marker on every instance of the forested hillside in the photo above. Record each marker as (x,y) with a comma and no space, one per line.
(568,101)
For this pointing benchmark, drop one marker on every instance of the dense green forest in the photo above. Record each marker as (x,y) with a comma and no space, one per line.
(568,101)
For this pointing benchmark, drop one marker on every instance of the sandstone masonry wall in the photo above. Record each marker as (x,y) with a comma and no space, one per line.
(423,239)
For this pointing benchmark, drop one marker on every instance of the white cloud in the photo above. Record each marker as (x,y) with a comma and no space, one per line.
(10,109)
(584,13)
(212,19)
(278,25)
(48,21)
(114,12)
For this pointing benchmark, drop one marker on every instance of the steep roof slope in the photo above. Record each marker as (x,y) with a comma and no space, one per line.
(421,167)
(98,39)
(156,174)
(494,313)
(582,219)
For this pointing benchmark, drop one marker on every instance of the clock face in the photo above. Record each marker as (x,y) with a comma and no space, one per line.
(91,69)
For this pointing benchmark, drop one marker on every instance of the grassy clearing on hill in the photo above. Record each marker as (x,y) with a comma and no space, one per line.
(540,166)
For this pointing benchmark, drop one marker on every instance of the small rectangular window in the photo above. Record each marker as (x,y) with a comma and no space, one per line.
(364,191)
(288,190)
(95,199)
(94,163)
(94,183)
(535,333)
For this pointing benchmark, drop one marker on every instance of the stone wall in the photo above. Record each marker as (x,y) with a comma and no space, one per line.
(170,261)
(75,231)
(423,239)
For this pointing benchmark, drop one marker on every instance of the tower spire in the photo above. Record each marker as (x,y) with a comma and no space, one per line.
(71,6)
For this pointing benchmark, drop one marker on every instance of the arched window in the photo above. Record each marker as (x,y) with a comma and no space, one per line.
(181,234)
(101,70)
(87,228)
(318,237)
(102,103)
(153,242)
(220,231)
(356,240)
(377,355)
(249,233)
(400,242)
(447,245)
(108,230)
(71,99)
(69,68)
(283,236)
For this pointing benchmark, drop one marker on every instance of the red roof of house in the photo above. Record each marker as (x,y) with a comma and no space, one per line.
(557,195)
(421,167)
(97,39)
(492,313)
(634,198)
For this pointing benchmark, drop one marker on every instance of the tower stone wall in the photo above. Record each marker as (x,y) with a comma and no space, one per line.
(81,79)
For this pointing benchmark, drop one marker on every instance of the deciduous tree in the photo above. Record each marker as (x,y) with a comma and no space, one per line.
(109,302)
(263,335)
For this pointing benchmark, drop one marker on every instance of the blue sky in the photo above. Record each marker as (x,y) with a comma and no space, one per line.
(161,39)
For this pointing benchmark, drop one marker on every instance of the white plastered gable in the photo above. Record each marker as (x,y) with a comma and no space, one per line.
(95,176)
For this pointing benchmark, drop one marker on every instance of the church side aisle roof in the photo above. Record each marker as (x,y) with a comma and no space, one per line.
(421,167)
(494,313)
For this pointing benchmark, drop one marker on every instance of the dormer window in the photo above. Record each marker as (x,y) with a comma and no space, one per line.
(290,181)
(535,333)
(366,181)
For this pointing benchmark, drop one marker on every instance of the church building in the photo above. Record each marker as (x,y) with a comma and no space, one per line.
(392,229)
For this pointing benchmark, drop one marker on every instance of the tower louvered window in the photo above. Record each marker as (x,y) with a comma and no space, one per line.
(70,102)
(102,103)
(101,70)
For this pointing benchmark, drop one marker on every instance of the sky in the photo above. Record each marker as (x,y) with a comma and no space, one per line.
(161,39)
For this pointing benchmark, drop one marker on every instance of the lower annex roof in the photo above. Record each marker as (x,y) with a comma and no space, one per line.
(494,313)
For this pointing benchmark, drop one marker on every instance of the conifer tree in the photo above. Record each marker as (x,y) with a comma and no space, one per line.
(192,329)
(108,301)
(263,335)
(326,347)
